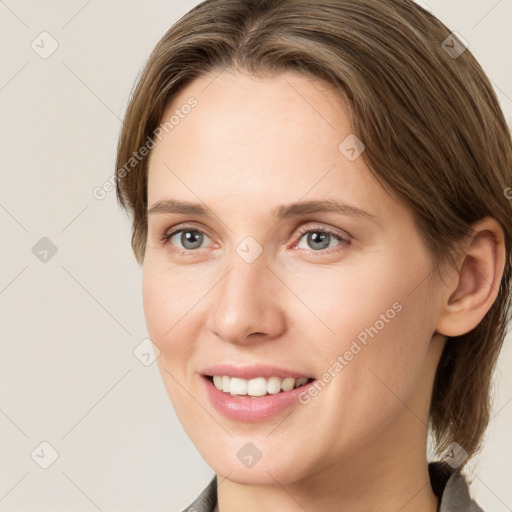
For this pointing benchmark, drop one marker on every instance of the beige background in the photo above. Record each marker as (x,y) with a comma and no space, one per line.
(68,375)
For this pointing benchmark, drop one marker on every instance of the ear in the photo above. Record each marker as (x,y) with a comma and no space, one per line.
(473,289)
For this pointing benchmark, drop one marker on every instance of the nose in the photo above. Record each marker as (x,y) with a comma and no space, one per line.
(248,303)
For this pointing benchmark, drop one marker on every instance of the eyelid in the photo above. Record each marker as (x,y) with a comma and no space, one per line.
(336,233)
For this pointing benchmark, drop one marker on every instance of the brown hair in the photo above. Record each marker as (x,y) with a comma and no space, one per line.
(434,133)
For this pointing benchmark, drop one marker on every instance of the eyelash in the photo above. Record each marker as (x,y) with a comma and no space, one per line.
(302,231)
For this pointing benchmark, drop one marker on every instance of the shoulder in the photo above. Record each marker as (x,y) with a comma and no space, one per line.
(451,487)
(207,500)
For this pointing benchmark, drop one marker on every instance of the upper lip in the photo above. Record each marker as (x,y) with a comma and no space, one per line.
(252,371)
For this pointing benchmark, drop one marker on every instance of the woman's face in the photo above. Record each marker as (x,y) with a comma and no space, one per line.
(342,297)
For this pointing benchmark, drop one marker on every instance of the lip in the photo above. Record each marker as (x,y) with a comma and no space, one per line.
(252,410)
(252,371)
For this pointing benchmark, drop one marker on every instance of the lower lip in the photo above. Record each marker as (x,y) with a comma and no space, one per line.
(244,408)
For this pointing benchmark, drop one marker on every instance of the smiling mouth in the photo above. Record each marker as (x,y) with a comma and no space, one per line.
(257,387)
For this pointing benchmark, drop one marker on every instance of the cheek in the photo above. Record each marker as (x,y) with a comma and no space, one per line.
(380,324)
(157,299)
(168,325)
(168,309)
(349,303)
(382,334)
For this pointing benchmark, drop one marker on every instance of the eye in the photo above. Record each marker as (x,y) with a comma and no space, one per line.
(319,239)
(190,238)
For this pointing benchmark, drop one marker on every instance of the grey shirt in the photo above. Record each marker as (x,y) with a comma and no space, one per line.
(449,485)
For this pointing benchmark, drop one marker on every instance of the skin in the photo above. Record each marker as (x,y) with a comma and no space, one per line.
(359,445)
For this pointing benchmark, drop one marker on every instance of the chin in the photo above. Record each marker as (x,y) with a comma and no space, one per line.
(227,461)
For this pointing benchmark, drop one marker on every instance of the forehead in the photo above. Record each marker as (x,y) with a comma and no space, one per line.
(254,140)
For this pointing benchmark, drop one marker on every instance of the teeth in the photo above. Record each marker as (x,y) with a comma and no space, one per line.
(287,384)
(273,385)
(217,380)
(256,387)
(237,386)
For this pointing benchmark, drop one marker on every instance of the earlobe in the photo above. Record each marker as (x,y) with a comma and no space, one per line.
(477,282)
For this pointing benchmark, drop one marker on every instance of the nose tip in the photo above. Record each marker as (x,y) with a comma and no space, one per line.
(246,304)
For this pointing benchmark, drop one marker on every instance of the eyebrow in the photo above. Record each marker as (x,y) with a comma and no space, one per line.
(284,211)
